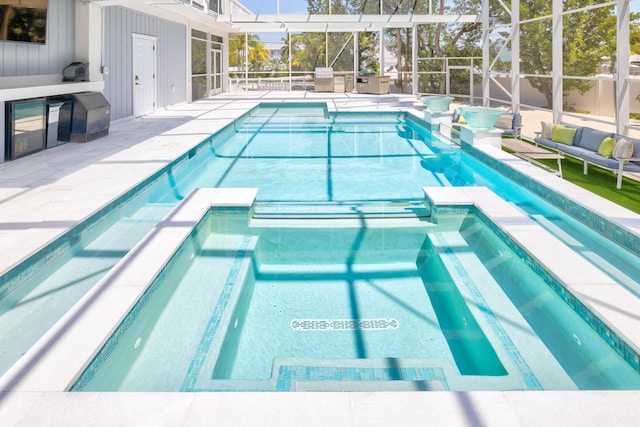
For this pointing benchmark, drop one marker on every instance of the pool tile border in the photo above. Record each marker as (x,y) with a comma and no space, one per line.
(199,359)
(605,226)
(288,375)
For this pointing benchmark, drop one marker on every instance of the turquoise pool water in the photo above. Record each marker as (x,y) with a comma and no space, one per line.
(300,155)
(34,296)
(394,305)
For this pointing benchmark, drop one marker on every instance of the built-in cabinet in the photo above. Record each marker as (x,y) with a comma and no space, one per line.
(24,116)
(377,85)
(26,125)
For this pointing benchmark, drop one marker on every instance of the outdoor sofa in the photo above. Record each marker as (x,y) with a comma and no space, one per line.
(607,150)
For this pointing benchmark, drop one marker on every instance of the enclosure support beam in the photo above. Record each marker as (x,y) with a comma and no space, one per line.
(289,59)
(414,59)
(556,61)
(356,59)
(486,46)
(246,61)
(623,48)
(515,56)
(382,53)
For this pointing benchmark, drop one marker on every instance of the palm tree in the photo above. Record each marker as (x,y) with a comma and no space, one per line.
(237,48)
(284,50)
(258,56)
(276,65)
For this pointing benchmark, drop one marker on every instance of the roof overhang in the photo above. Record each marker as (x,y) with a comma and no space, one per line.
(294,23)
(337,23)
(171,10)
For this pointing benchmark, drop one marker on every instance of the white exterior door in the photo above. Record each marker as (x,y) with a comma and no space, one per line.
(216,71)
(144,75)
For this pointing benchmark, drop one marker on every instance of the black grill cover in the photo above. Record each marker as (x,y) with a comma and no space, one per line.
(83,117)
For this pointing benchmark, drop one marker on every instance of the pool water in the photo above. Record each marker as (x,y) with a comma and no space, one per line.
(353,160)
(337,157)
(303,293)
(28,308)
(384,304)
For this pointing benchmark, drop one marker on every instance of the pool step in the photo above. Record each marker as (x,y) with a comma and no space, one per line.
(505,327)
(153,212)
(408,268)
(329,210)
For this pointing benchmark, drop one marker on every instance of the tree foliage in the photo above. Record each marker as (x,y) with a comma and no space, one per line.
(259,56)
(588,41)
(309,50)
(256,57)
(237,45)
(436,42)
(588,37)
(635,33)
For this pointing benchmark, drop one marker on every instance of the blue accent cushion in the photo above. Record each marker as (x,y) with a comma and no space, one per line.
(592,138)
(636,146)
(573,150)
(517,120)
(632,167)
(547,143)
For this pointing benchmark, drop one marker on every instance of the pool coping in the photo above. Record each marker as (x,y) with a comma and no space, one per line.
(450,408)
(50,367)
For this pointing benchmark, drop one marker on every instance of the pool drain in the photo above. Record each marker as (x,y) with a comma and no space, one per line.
(342,324)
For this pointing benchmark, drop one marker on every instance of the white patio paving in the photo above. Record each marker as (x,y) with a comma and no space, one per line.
(45,194)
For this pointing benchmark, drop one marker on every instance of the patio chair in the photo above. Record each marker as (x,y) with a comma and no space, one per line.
(510,124)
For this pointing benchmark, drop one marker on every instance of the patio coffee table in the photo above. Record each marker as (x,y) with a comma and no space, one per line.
(531,152)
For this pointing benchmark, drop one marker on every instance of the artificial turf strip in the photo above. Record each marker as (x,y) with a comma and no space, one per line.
(600,181)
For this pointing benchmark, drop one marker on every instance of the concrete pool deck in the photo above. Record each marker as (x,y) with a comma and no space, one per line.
(45,194)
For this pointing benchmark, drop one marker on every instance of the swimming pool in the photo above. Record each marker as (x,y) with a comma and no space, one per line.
(353,304)
(418,157)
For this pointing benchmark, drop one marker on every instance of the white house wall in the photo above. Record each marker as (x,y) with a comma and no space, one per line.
(171,75)
(23,59)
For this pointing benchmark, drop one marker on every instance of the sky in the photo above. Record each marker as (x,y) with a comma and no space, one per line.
(270,6)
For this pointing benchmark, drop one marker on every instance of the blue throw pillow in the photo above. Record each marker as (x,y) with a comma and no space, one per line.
(592,138)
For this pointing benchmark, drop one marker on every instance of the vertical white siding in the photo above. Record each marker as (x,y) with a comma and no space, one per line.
(119,25)
(23,59)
